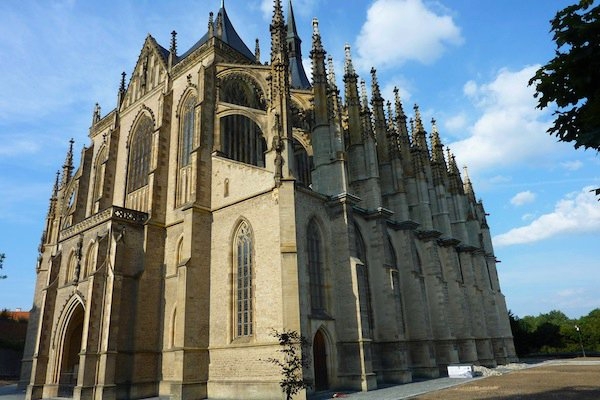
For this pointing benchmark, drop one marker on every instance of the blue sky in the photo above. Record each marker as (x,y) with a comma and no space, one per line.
(465,63)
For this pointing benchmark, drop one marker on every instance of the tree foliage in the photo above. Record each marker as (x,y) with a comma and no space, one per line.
(555,333)
(571,79)
(292,362)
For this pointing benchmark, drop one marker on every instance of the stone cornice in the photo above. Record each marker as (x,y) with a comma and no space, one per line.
(113,213)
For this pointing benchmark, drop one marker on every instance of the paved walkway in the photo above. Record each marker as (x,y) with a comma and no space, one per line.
(405,391)
(398,392)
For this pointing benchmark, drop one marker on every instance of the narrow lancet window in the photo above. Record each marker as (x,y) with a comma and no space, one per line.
(139,155)
(315,269)
(243,261)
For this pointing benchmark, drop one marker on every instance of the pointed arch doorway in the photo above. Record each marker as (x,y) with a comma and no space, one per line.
(69,363)
(320,361)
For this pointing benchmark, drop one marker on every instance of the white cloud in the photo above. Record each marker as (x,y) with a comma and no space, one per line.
(510,129)
(578,212)
(572,165)
(457,123)
(400,30)
(522,198)
(528,217)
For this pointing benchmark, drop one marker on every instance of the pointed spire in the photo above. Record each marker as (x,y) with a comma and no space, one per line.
(291,24)
(348,67)
(437,148)
(364,100)
(390,116)
(317,46)
(294,44)
(376,92)
(352,99)
(401,128)
(68,165)
(468,185)
(278,35)
(55,188)
(257,51)
(456,183)
(418,122)
(54,196)
(331,72)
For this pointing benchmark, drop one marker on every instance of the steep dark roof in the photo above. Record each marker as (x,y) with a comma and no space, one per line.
(299,79)
(229,36)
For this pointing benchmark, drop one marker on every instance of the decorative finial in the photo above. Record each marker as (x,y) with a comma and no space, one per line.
(257,51)
(418,123)
(211,25)
(316,36)
(348,67)
(363,95)
(331,72)
(55,188)
(173,49)
(390,114)
(220,25)
(96,115)
(68,165)
(376,93)
(122,87)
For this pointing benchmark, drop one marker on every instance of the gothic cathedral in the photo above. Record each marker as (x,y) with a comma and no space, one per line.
(225,197)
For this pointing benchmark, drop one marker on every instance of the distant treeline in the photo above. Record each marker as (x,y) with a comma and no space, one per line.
(554,334)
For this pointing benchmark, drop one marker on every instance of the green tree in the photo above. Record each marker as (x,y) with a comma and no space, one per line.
(2,256)
(571,80)
(292,362)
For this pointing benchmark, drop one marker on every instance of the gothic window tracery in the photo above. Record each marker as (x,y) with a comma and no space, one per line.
(364,290)
(243,269)
(100,168)
(392,263)
(187,130)
(185,177)
(241,91)
(139,154)
(315,268)
(304,164)
(243,140)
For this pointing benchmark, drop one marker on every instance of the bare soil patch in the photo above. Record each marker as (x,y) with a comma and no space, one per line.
(547,382)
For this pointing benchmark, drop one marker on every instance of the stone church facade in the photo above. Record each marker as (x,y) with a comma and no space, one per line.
(225,197)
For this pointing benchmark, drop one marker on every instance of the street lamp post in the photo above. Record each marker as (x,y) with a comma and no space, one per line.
(580,341)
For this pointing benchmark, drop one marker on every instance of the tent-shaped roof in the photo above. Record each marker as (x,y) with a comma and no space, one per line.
(229,36)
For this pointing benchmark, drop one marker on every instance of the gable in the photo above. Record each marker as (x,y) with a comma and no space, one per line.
(150,71)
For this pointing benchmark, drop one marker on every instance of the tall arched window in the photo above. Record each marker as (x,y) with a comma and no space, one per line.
(303,164)
(99,173)
(187,131)
(243,268)
(391,263)
(91,259)
(315,268)
(243,140)
(364,290)
(139,154)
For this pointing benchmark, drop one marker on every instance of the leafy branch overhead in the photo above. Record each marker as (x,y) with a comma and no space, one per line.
(571,80)
(2,256)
